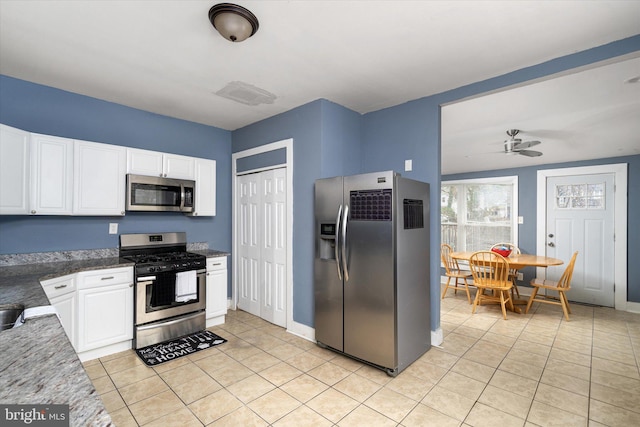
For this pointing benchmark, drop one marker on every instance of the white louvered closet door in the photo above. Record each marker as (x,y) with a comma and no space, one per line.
(262,266)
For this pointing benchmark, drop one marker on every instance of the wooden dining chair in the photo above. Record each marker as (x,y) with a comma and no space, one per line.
(491,272)
(453,271)
(561,286)
(513,273)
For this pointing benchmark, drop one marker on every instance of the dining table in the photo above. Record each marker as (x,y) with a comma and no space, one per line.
(516,262)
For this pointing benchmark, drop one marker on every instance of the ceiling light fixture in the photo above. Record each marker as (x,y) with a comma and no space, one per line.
(233,22)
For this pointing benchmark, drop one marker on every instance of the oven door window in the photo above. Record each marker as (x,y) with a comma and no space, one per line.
(155,195)
(171,290)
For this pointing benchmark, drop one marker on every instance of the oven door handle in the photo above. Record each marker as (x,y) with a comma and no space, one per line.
(145,283)
(167,323)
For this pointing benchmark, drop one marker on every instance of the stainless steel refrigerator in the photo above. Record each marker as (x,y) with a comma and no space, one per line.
(371,268)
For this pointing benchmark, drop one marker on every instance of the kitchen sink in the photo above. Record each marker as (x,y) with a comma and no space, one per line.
(9,313)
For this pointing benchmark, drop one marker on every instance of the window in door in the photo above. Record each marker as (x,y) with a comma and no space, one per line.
(477,213)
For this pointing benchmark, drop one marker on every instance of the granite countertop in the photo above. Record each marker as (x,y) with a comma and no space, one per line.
(210,253)
(38,363)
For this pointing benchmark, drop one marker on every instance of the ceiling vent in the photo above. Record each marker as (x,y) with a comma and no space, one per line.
(246,94)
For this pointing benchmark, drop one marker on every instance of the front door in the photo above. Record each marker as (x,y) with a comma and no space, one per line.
(580,217)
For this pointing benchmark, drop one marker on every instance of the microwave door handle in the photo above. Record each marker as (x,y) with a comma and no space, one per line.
(181,197)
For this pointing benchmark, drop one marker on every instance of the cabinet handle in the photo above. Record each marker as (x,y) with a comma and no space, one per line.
(121,212)
(107,278)
(33,212)
(60,286)
(131,285)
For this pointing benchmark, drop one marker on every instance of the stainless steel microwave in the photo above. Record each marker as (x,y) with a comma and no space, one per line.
(154,194)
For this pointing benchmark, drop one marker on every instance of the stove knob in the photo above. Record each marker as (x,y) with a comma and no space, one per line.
(151,269)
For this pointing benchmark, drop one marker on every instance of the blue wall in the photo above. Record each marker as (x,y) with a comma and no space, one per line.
(341,134)
(411,131)
(326,139)
(43,109)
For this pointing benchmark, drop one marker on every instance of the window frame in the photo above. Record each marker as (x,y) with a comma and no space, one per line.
(461,212)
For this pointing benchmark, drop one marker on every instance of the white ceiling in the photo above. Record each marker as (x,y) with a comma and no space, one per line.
(590,114)
(165,57)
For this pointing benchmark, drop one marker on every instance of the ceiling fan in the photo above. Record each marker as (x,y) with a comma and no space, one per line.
(517,146)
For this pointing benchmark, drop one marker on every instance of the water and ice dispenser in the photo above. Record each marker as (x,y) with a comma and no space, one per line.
(327,241)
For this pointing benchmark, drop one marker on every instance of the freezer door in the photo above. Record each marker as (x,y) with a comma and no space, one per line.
(327,281)
(369,292)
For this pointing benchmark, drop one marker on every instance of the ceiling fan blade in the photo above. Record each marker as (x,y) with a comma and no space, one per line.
(525,144)
(529,153)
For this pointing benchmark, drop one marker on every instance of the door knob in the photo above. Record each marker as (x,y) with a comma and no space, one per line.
(550,235)
(550,244)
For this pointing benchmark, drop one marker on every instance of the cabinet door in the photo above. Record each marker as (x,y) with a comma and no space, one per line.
(51,175)
(216,287)
(144,162)
(205,188)
(66,307)
(14,171)
(105,316)
(176,166)
(61,292)
(99,183)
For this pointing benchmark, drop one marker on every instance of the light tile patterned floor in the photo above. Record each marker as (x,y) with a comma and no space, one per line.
(534,369)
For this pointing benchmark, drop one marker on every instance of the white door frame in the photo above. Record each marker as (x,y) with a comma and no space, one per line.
(619,171)
(287,144)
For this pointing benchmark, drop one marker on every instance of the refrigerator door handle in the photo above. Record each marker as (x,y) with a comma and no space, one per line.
(345,268)
(336,246)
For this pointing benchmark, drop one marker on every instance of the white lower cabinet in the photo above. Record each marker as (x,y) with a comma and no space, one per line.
(61,292)
(67,307)
(216,290)
(95,309)
(105,308)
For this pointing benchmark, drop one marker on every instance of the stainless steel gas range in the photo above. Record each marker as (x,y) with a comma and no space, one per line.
(170,286)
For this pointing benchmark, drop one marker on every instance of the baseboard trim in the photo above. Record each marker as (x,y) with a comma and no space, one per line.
(437,337)
(633,307)
(303,331)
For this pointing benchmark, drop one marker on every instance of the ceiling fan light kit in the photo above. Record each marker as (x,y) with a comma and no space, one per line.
(233,22)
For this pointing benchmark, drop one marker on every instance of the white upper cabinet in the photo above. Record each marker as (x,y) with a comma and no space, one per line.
(51,175)
(99,184)
(14,171)
(154,163)
(176,166)
(205,197)
(144,162)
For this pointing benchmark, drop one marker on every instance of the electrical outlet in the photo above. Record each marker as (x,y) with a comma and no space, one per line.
(520,220)
(408,165)
(520,276)
(113,228)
